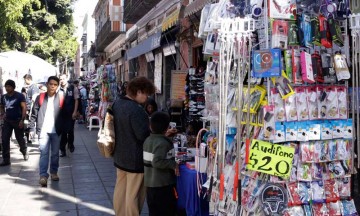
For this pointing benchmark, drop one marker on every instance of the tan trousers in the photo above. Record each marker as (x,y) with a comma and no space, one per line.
(129,193)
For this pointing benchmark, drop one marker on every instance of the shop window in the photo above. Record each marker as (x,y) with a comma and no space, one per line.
(198,57)
(150,69)
(134,67)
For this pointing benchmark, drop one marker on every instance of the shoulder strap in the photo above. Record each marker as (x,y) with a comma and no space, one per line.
(61,97)
(41,98)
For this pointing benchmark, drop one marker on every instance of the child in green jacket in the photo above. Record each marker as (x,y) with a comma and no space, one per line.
(160,168)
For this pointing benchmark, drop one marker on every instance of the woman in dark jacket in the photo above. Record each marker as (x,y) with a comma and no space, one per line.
(131,124)
(150,106)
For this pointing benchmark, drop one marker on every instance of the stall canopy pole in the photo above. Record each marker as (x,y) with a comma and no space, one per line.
(355,34)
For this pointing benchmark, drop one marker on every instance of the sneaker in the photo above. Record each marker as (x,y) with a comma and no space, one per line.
(193,110)
(54,177)
(43,181)
(26,156)
(192,103)
(62,154)
(72,148)
(200,107)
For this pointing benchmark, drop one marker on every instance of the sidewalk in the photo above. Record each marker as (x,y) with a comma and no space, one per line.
(86,183)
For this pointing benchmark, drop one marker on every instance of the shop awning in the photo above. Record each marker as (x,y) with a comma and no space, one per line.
(150,43)
(170,20)
(195,6)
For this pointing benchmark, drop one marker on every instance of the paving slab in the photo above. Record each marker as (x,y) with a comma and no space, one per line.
(86,185)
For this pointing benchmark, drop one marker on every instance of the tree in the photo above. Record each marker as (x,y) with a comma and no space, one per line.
(44,28)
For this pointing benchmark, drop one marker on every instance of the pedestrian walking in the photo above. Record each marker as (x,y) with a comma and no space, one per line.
(31,90)
(160,168)
(13,104)
(47,116)
(131,124)
(70,110)
(83,97)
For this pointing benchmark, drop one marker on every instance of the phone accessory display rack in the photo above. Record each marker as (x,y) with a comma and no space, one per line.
(283,77)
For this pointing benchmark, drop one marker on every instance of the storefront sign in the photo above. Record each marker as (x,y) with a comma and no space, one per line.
(178,82)
(270,158)
(150,43)
(158,72)
(169,50)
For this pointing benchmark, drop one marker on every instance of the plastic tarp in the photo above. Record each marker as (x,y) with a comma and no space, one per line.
(16,64)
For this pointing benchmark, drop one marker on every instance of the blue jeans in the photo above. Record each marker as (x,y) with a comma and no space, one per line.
(7,130)
(47,142)
(83,106)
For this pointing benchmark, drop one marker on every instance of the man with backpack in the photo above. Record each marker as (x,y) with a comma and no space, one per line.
(47,115)
(71,103)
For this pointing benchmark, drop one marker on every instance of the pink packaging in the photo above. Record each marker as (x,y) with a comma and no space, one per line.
(306,68)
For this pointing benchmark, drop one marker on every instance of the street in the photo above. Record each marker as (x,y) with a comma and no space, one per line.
(86,183)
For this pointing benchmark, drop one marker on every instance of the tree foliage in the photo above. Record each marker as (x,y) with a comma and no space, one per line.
(42,27)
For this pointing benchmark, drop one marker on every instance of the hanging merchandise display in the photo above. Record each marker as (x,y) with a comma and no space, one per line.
(93,96)
(281,136)
(103,91)
(108,85)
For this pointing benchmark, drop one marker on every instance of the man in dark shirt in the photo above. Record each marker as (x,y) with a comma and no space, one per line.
(14,105)
(70,112)
(31,91)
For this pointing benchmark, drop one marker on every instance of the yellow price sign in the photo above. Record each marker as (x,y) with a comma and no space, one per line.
(271,158)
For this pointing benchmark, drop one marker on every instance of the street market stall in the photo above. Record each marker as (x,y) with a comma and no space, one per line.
(281,108)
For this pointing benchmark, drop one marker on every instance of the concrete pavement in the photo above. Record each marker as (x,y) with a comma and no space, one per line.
(86,183)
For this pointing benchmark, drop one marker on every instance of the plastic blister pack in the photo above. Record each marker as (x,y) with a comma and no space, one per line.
(303,131)
(279,132)
(302,104)
(334,208)
(348,208)
(322,103)
(307,151)
(293,193)
(326,130)
(294,211)
(317,171)
(312,102)
(344,185)
(338,129)
(290,108)
(291,131)
(318,191)
(304,172)
(343,149)
(269,122)
(336,170)
(279,37)
(333,150)
(319,209)
(332,107)
(280,114)
(342,102)
(304,191)
(331,190)
(321,151)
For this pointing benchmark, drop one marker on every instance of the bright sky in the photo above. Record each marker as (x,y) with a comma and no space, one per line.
(81,7)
